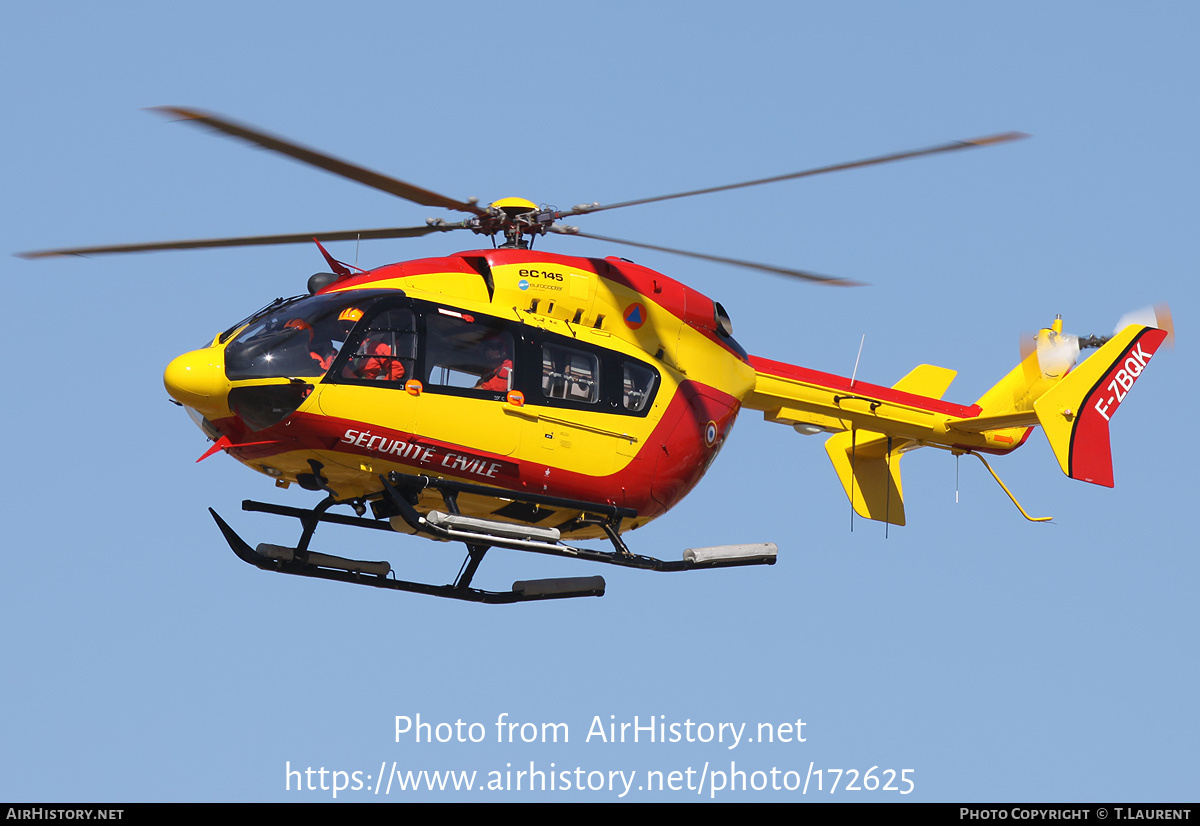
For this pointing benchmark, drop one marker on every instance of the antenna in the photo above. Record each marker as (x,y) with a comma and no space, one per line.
(856,358)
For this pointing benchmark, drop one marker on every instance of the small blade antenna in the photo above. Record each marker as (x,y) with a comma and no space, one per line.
(861,342)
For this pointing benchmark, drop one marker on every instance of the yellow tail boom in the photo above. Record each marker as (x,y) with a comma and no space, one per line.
(874,426)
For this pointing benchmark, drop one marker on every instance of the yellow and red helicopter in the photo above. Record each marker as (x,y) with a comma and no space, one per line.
(507,398)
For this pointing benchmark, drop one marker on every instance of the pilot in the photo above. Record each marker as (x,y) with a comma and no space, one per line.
(496,353)
(346,321)
(321,349)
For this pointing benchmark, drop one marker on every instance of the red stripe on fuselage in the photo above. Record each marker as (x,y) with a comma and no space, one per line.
(861,388)
(690,306)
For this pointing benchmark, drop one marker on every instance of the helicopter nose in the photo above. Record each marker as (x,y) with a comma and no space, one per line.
(197,380)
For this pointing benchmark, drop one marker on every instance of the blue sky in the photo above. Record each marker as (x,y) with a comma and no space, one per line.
(997,659)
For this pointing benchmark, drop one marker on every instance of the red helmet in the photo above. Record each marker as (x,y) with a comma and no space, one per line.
(300,324)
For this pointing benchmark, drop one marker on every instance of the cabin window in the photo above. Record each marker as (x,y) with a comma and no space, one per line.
(466,354)
(570,374)
(637,386)
(384,349)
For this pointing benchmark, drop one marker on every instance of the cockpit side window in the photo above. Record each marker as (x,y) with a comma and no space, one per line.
(383,348)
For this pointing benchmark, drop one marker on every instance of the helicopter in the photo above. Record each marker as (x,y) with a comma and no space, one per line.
(502,398)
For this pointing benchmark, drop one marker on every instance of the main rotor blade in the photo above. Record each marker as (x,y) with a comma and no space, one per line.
(247,241)
(377,180)
(899,156)
(736,262)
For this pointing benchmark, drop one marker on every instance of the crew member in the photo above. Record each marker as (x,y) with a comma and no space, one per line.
(385,364)
(321,350)
(496,353)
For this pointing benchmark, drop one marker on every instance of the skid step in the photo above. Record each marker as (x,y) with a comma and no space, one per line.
(354,566)
(577,586)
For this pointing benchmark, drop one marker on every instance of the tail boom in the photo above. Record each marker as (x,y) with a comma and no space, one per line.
(814,401)
(874,426)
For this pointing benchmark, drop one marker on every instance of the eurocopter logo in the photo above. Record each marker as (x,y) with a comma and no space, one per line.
(635,315)
(523,284)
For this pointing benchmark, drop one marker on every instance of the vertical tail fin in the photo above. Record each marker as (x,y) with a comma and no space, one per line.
(1075,413)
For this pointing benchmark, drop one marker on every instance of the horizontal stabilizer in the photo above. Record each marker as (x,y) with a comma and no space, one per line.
(978,424)
(286,554)
(927,380)
(1075,413)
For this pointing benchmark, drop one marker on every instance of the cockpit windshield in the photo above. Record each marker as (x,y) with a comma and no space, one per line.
(298,340)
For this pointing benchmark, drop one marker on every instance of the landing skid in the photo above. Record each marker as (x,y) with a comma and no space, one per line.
(396,508)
